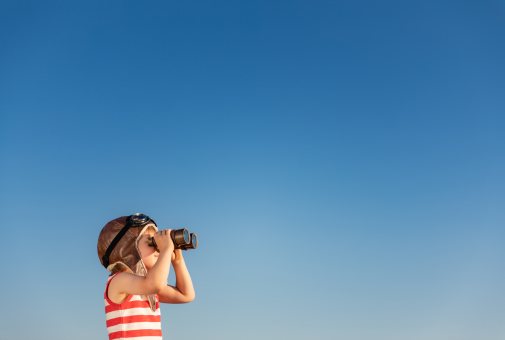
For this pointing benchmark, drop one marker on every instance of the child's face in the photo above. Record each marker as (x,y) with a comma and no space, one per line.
(148,253)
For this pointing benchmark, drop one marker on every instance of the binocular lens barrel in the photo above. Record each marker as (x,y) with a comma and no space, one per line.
(193,244)
(181,238)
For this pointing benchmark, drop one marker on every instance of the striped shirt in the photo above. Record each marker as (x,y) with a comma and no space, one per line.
(133,319)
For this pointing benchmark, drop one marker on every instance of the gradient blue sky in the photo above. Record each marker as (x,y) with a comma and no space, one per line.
(342,163)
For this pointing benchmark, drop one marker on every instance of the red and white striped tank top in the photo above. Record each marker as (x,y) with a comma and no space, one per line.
(133,319)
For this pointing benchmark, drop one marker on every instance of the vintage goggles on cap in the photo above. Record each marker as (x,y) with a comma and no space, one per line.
(137,220)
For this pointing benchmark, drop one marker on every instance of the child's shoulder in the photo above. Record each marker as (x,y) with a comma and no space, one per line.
(113,292)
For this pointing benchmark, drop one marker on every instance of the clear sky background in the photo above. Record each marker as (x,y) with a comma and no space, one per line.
(341,162)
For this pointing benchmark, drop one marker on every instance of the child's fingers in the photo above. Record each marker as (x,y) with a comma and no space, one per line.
(163,232)
(163,239)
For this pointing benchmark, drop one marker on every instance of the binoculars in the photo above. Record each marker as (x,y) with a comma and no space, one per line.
(182,240)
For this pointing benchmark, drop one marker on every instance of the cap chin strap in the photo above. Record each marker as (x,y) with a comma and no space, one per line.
(115,241)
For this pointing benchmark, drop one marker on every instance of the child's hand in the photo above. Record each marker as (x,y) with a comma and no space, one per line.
(164,240)
(177,256)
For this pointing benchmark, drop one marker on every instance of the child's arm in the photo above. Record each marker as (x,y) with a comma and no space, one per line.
(183,292)
(155,280)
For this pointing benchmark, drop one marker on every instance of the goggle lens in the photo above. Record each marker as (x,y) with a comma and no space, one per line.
(139,218)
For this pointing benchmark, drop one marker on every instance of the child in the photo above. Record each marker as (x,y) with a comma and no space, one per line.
(138,279)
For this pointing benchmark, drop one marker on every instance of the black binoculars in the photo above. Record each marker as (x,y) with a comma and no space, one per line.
(182,240)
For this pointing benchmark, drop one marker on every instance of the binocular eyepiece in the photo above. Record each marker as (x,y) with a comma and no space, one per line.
(182,240)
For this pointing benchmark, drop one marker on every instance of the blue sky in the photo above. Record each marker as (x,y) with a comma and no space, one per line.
(341,162)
